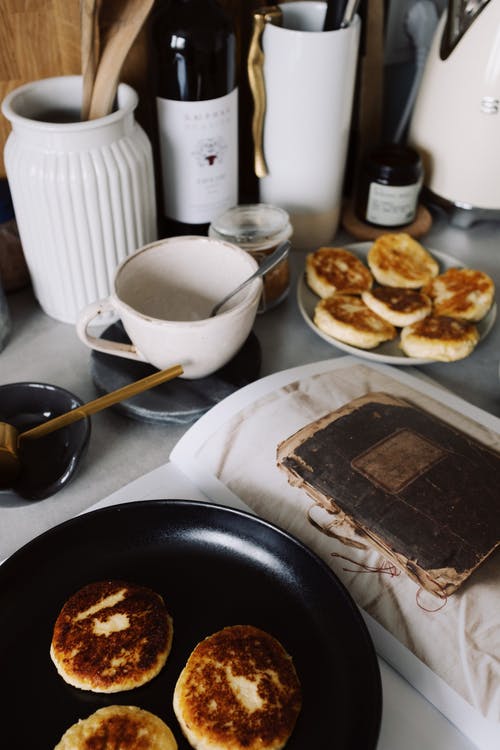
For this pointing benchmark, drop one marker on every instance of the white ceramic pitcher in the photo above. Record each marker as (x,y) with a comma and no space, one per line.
(83,192)
(305,82)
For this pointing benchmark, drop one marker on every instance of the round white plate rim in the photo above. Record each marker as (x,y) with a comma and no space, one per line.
(446,261)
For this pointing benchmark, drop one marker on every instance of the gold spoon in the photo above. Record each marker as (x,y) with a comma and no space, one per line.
(10,438)
(121,36)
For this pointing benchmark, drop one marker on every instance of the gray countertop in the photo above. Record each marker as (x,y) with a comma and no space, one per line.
(122,450)
(44,350)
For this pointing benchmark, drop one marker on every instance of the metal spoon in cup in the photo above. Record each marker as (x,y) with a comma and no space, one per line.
(10,438)
(269,262)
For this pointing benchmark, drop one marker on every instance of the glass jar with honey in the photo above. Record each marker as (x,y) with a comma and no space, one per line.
(258,228)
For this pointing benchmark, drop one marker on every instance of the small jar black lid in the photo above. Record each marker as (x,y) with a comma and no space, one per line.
(394,163)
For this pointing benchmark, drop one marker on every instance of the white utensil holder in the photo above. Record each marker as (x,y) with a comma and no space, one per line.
(83,192)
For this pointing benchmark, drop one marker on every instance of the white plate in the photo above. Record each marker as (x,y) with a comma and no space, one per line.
(388,352)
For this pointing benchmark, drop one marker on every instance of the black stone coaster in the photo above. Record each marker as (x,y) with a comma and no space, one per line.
(178,400)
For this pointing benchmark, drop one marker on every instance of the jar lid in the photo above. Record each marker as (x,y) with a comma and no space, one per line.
(394,162)
(251,224)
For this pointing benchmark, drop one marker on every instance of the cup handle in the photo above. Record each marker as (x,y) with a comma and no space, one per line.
(90,313)
(255,63)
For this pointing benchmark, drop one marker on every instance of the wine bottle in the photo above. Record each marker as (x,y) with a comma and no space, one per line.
(193,47)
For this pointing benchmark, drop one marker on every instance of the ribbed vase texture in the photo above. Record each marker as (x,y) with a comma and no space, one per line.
(84,199)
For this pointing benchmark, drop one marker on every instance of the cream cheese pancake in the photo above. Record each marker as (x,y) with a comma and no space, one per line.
(333,269)
(439,338)
(400,307)
(399,260)
(348,319)
(462,293)
(117,728)
(238,691)
(111,636)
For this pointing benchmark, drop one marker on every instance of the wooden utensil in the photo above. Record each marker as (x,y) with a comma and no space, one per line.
(122,34)
(10,438)
(89,45)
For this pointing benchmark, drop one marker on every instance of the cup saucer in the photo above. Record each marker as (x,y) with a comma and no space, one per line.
(180,400)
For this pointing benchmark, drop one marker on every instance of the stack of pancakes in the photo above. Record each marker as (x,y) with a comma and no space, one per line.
(402,292)
(239,688)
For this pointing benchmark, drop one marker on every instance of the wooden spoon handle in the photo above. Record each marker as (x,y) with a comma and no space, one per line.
(102,402)
(123,33)
(89,41)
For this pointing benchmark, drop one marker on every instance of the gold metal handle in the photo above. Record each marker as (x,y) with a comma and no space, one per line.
(255,65)
(92,407)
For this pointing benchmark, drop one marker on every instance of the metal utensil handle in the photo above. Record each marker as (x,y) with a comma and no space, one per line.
(102,402)
(349,13)
(255,64)
(269,262)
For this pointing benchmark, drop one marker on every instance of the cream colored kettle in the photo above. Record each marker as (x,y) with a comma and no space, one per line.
(456,118)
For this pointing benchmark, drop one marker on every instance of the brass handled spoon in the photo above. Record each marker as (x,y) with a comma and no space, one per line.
(267,264)
(10,438)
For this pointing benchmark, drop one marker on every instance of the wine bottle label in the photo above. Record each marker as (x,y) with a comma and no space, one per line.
(390,205)
(199,157)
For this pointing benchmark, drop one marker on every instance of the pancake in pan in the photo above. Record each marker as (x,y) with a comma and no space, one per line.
(114,727)
(238,691)
(111,636)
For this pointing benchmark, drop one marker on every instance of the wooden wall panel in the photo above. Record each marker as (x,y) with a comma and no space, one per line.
(38,38)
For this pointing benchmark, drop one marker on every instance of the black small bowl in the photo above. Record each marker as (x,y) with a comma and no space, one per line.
(47,463)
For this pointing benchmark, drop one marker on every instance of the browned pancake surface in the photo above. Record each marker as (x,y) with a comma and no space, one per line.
(400,300)
(110,636)
(117,728)
(339,270)
(464,293)
(444,329)
(239,689)
(353,312)
(400,261)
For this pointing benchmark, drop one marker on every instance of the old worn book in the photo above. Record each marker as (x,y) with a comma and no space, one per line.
(422,493)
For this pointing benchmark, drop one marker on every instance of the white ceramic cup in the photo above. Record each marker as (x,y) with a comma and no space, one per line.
(164,293)
(309,78)
(83,192)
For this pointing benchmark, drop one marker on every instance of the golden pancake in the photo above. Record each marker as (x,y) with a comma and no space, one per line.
(439,338)
(117,727)
(348,319)
(462,293)
(333,269)
(238,691)
(111,636)
(399,260)
(400,307)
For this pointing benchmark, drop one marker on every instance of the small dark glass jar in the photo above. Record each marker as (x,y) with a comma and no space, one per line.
(389,185)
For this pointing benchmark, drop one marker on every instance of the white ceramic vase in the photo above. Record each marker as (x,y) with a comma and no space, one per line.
(309,77)
(83,192)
